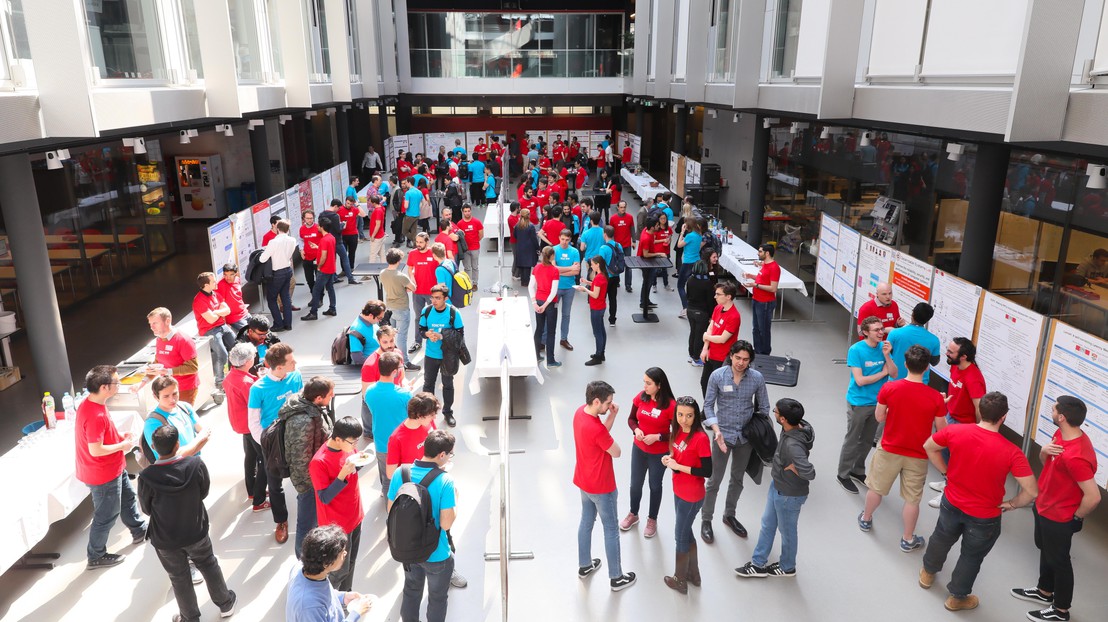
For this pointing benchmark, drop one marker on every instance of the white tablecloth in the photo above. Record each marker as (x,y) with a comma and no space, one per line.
(738,258)
(504,327)
(496,221)
(42,486)
(641,184)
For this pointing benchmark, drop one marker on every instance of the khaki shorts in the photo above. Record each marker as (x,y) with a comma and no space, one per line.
(885,467)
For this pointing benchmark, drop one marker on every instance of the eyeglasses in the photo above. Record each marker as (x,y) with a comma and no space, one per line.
(686,400)
(352,441)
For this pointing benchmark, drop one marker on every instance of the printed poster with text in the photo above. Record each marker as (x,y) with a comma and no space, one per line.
(1007,351)
(1077,365)
(846,267)
(875,263)
(221,239)
(243,229)
(304,190)
(828,248)
(259,214)
(911,283)
(955,302)
(319,199)
(292,204)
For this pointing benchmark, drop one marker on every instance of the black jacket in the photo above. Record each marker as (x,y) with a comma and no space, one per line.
(270,339)
(172,495)
(331,223)
(527,247)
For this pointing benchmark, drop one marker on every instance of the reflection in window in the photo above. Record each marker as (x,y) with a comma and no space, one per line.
(192,38)
(244,35)
(785,38)
(723,31)
(352,37)
(15,31)
(125,39)
(274,38)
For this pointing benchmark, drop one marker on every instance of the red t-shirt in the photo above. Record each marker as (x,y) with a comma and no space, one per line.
(371,370)
(576,211)
(481,152)
(496,150)
(980,461)
(545,276)
(593,472)
(627,154)
(553,228)
(327,243)
(404,170)
(542,197)
(723,322)
(913,408)
(472,229)
(600,302)
(617,194)
(652,420)
(202,302)
(574,150)
(965,386)
(769,273)
(311,236)
(513,220)
(1059,494)
(646,242)
(601,155)
(406,444)
(231,293)
(661,240)
(451,246)
(377,219)
(95,425)
(268,237)
(888,315)
(237,387)
(173,352)
(349,216)
(345,509)
(544,165)
(689,450)
(623,226)
(421,267)
(532,206)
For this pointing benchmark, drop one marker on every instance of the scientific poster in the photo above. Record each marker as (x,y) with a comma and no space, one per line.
(1077,365)
(875,264)
(338,184)
(636,149)
(534,136)
(911,282)
(432,142)
(471,141)
(674,164)
(292,204)
(259,215)
(305,192)
(846,267)
(389,156)
(243,229)
(828,247)
(328,187)
(277,206)
(552,135)
(221,240)
(319,200)
(344,173)
(1007,353)
(416,144)
(956,303)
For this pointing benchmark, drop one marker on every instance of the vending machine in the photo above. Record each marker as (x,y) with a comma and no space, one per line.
(201,185)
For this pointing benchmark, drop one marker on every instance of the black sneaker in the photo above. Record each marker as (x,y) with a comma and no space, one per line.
(750,570)
(415,348)
(585,571)
(228,610)
(593,361)
(775,570)
(859,477)
(1032,594)
(309,317)
(1050,613)
(411,367)
(623,582)
(330,312)
(847,485)
(450,420)
(106,561)
(139,539)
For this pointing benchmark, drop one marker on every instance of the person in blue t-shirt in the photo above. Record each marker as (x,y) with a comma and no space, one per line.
(458,149)
(191,434)
(490,188)
(592,239)
(915,334)
(444,272)
(870,363)
(311,597)
(412,198)
(568,261)
(477,182)
(689,242)
(439,567)
(440,314)
(388,408)
(366,325)
(265,400)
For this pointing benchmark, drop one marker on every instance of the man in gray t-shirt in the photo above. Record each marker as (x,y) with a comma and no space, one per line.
(397,285)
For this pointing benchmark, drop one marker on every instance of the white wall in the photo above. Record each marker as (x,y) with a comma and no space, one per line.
(730,144)
(812,44)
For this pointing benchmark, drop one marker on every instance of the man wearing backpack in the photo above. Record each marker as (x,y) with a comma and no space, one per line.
(192,434)
(267,396)
(444,272)
(612,253)
(474,231)
(439,488)
(308,424)
(432,320)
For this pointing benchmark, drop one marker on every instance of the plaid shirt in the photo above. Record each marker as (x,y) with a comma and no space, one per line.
(730,405)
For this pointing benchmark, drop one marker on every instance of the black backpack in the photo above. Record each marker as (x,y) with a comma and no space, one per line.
(618,264)
(412,533)
(463,172)
(147,451)
(273,449)
(442,169)
(340,347)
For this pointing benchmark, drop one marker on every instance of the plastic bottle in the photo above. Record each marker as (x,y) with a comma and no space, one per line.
(48,415)
(69,406)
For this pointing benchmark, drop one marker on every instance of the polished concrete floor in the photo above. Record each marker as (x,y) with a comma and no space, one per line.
(843,574)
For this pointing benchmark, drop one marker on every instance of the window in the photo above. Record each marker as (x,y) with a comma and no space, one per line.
(377,43)
(273,42)
(722,42)
(319,58)
(244,35)
(125,39)
(352,40)
(192,38)
(13,37)
(785,38)
(680,55)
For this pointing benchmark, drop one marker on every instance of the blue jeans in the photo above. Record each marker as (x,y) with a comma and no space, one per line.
(596,316)
(279,286)
(403,320)
(545,323)
(782,514)
(605,505)
(683,274)
(306,519)
(641,463)
(565,297)
(344,259)
(978,537)
(111,500)
(437,576)
(419,301)
(219,351)
(763,321)
(322,282)
(628,271)
(685,513)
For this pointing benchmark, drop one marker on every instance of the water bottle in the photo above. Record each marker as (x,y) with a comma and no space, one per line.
(48,415)
(69,407)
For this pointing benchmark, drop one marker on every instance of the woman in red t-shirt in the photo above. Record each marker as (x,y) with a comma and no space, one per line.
(544,294)
(597,291)
(651,414)
(690,459)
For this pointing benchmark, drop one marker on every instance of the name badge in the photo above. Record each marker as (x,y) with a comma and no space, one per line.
(728,388)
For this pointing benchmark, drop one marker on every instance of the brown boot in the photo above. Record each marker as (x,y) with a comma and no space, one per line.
(694,566)
(677,581)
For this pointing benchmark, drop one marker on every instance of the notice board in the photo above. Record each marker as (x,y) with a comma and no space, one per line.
(221,241)
(846,267)
(875,265)
(259,216)
(828,247)
(243,228)
(956,303)
(911,282)
(1008,339)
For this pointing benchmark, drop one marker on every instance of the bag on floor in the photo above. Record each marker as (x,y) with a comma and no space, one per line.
(412,533)
(340,347)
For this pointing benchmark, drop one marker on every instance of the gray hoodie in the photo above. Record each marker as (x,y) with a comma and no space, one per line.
(793,448)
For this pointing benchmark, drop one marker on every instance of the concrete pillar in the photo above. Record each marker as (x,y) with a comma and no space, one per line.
(342,130)
(758,180)
(34,279)
(259,152)
(680,128)
(640,119)
(983,217)
(383,129)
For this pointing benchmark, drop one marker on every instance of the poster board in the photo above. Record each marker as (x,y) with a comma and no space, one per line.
(956,303)
(338,184)
(692,172)
(318,202)
(242,228)
(344,173)
(596,137)
(221,241)
(328,191)
(416,144)
(1077,365)
(674,165)
(875,264)
(305,191)
(828,247)
(636,149)
(389,155)
(846,267)
(1008,338)
(911,282)
(277,206)
(534,136)
(471,141)
(552,135)
(292,204)
(259,216)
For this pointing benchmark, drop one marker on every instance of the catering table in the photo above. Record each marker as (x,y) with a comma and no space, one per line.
(738,258)
(496,221)
(644,264)
(46,489)
(504,332)
(641,184)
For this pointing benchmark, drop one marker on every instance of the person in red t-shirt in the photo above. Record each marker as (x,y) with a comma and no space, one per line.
(230,290)
(210,313)
(574,148)
(404,168)
(272,233)
(481,150)
(594,476)
(474,231)
(648,247)
(980,461)
(237,387)
(376,231)
(1068,492)
(310,232)
(371,368)
(406,443)
(349,214)
(723,331)
(883,307)
(544,296)
(623,225)
(690,459)
(448,236)
(175,354)
(326,277)
(650,418)
(101,465)
(967,383)
(597,292)
(601,159)
(334,473)
(910,410)
(421,268)
(625,157)
(764,288)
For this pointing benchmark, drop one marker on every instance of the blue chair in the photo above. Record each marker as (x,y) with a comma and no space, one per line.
(32,427)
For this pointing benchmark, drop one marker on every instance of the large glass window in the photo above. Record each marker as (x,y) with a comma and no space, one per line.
(319,57)
(785,38)
(13,37)
(722,41)
(192,38)
(244,35)
(352,38)
(125,39)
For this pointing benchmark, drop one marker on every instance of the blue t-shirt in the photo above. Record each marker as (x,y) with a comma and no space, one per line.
(351,193)
(384,192)
(183,418)
(912,335)
(534,178)
(313,601)
(389,405)
(476,172)
(436,321)
(414,197)
(441,492)
(564,258)
(691,251)
(459,150)
(668,211)
(606,252)
(871,361)
(416,179)
(369,332)
(593,239)
(444,274)
(490,192)
(270,394)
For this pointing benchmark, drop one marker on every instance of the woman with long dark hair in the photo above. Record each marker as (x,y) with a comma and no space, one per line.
(597,292)
(700,301)
(688,250)
(651,414)
(690,459)
(544,296)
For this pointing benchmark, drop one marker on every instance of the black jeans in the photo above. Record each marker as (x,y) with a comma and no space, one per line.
(709,367)
(547,322)
(351,244)
(437,577)
(176,564)
(343,578)
(641,464)
(648,279)
(978,537)
(431,367)
(254,470)
(698,325)
(279,286)
(277,503)
(1053,540)
(599,334)
(613,295)
(309,274)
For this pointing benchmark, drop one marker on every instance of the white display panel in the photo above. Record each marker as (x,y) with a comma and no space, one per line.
(897,37)
(471,141)
(243,229)
(319,201)
(955,302)
(846,267)
(911,282)
(416,144)
(344,173)
(338,184)
(292,205)
(875,263)
(259,216)
(980,38)
(674,162)
(221,241)
(812,43)
(1007,351)
(277,206)
(828,248)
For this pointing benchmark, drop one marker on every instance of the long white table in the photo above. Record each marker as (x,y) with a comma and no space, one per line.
(43,487)
(504,331)
(496,221)
(641,184)
(738,258)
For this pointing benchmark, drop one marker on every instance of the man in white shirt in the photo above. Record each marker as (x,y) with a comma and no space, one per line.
(371,163)
(279,251)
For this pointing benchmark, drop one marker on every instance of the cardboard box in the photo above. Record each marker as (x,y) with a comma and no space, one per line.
(9,376)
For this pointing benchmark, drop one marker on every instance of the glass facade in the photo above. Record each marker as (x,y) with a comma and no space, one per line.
(499,45)
(244,35)
(125,39)
(722,41)
(785,37)
(192,38)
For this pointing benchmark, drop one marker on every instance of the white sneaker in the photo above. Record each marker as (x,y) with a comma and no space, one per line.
(936,501)
(938,486)
(683,314)
(669,288)
(195,575)
(457,580)
(655,289)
